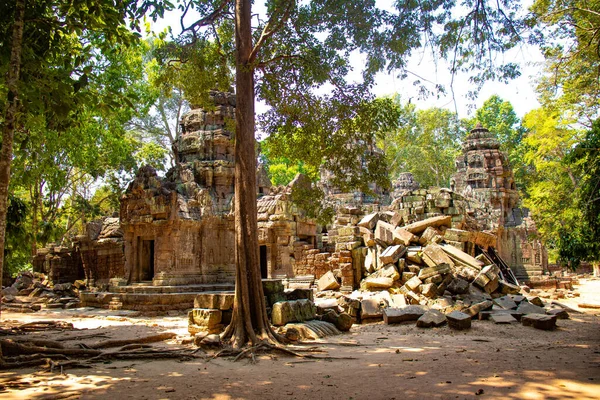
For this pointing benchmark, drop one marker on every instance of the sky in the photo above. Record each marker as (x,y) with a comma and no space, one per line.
(519,92)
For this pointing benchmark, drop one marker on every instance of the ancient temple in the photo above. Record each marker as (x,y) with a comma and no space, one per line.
(179,229)
(484,175)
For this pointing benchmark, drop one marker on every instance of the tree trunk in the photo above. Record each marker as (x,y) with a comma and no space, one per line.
(250,321)
(8,129)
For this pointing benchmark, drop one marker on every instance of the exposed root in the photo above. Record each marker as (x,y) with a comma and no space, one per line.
(147,339)
(265,347)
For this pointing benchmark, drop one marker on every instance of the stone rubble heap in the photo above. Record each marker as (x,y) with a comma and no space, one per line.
(32,291)
(419,272)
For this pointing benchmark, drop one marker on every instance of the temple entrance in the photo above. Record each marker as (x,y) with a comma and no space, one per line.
(263,262)
(146,260)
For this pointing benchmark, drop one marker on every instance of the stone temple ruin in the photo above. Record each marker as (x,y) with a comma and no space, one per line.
(175,235)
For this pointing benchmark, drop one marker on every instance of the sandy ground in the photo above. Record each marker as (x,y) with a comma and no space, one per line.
(390,362)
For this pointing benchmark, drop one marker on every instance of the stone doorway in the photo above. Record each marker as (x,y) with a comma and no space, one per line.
(263,262)
(146,260)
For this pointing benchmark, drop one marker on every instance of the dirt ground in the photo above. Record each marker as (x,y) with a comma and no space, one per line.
(389,362)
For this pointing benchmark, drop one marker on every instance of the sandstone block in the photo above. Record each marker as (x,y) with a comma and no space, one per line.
(458,286)
(369,221)
(384,232)
(559,313)
(478,307)
(413,283)
(392,254)
(404,237)
(435,270)
(408,313)
(436,222)
(431,318)
(429,290)
(528,308)
(328,282)
(219,301)
(502,318)
(505,302)
(370,308)
(205,317)
(461,256)
(539,321)
(376,283)
(458,320)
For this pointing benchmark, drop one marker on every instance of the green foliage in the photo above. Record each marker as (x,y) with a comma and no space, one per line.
(16,255)
(426,143)
(571,46)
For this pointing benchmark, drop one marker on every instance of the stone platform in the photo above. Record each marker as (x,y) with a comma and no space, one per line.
(145,297)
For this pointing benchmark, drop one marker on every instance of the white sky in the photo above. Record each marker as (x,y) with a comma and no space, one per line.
(520,91)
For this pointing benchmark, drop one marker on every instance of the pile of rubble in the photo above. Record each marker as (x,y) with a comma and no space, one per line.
(424,270)
(33,291)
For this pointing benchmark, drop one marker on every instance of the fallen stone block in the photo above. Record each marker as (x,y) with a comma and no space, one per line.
(203,317)
(431,319)
(508,288)
(292,311)
(369,221)
(431,236)
(505,302)
(528,308)
(441,269)
(388,271)
(371,308)
(328,282)
(429,290)
(384,232)
(377,283)
(458,320)
(502,318)
(458,286)
(436,222)
(461,256)
(404,237)
(536,301)
(487,279)
(539,321)
(559,313)
(476,308)
(398,301)
(219,301)
(392,254)
(433,255)
(413,283)
(398,315)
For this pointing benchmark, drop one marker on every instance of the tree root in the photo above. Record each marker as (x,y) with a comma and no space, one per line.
(121,342)
(266,347)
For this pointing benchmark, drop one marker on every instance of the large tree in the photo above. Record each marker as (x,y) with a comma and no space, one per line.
(299,53)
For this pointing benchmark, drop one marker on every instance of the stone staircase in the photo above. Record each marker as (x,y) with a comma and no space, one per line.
(143,296)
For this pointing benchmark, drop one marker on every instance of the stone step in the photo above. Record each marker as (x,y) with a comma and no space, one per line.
(149,289)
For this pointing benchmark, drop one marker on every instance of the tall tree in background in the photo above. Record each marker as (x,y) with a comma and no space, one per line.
(300,51)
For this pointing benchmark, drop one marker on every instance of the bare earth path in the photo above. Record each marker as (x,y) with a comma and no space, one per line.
(392,362)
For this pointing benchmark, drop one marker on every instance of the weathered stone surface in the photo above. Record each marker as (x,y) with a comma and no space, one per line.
(204,317)
(328,282)
(433,255)
(502,318)
(408,313)
(528,308)
(413,283)
(436,222)
(388,271)
(384,232)
(431,236)
(398,301)
(536,301)
(461,256)
(505,302)
(392,254)
(429,290)
(478,307)
(458,286)
(458,320)
(508,288)
(487,279)
(344,322)
(371,308)
(431,319)
(373,282)
(293,311)
(369,221)
(558,312)
(431,271)
(219,301)
(539,321)
(404,237)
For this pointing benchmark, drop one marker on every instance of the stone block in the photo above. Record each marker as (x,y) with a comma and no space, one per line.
(436,222)
(458,320)
(433,255)
(559,313)
(508,288)
(461,256)
(434,279)
(435,270)
(458,286)
(505,302)
(487,279)
(371,308)
(384,232)
(431,319)
(539,321)
(404,237)
(369,221)
(376,283)
(457,235)
(219,301)
(328,282)
(292,311)
(536,301)
(528,308)
(476,308)
(205,317)
(502,318)
(430,235)
(413,283)
(387,271)
(398,315)
(398,300)
(429,290)
(392,254)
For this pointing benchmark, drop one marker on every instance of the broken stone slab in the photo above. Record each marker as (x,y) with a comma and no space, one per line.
(292,311)
(502,318)
(368,236)
(539,321)
(517,298)
(431,236)
(476,308)
(436,222)
(431,319)
(505,302)
(205,317)
(458,320)
(441,269)
(528,308)
(485,315)
(457,235)
(388,271)
(536,301)
(458,286)
(487,279)
(384,232)
(433,255)
(398,300)
(328,282)
(371,259)
(559,313)
(371,308)
(461,256)
(429,290)
(219,301)
(404,237)
(376,283)
(434,279)
(392,254)
(508,288)
(398,315)
(413,283)
(369,221)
